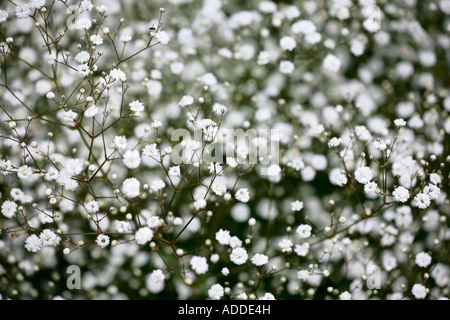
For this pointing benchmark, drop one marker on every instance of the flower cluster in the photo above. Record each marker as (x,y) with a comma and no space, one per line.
(110,112)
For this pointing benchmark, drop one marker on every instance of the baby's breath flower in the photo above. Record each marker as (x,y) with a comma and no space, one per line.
(260,259)
(239,256)
(96,39)
(199,264)
(136,106)
(363,175)
(304,231)
(297,205)
(162,37)
(331,63)
(143,235)
(131,187)
(401,194)
(102,241)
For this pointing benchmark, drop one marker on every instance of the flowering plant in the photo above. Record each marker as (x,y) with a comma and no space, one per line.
(224,149)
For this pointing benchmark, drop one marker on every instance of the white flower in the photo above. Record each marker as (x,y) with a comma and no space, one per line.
(157,185)
(96,39)
(186,101)
(51,61)
(422,201)
(136,106)
(83,70)
(302,249)
(154,88)
(215,168)
(199,264)
(52,174)
(267,6)
(216,292)
(118,75)
(285,245)
(334,142)
(357,47)
(69,116)
(3,16)
(239,256)
(209,79)
(400,123)
(24,172)
(223,237)
(263,58)
(120,142)
(65,179)
(296,205)
(291,12)
(303,275)
(92,206)
(232,162)
(219,188)
(17,194)
(151,151)
(338,177)
(267,296)
(331,63)
(434,178)
(155,281)
(156,124)
(242,195)
(73,166)
(225,271)
(423,259)
(23,11)
(83,23)
(432,191)
(157,276)
(82,57)
(125,38)
(286,67)
(401,194)
(313,38)
(122,226)
(304,27)
(49,238)
(304,231)
(345,296)
(288,43)
(174,171)
(9,209)
(177,67)
(5,166)
(274,173)
(363,175)
(200,204)
(33,243)
(371,25)
(380,145)
(371,189)
(132,159)
(154,222)
(144,235)
(260,259)
(102,240)
(162,37)
(235,242)
(91,112)
(419,291)
(131,187)
(36,4)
